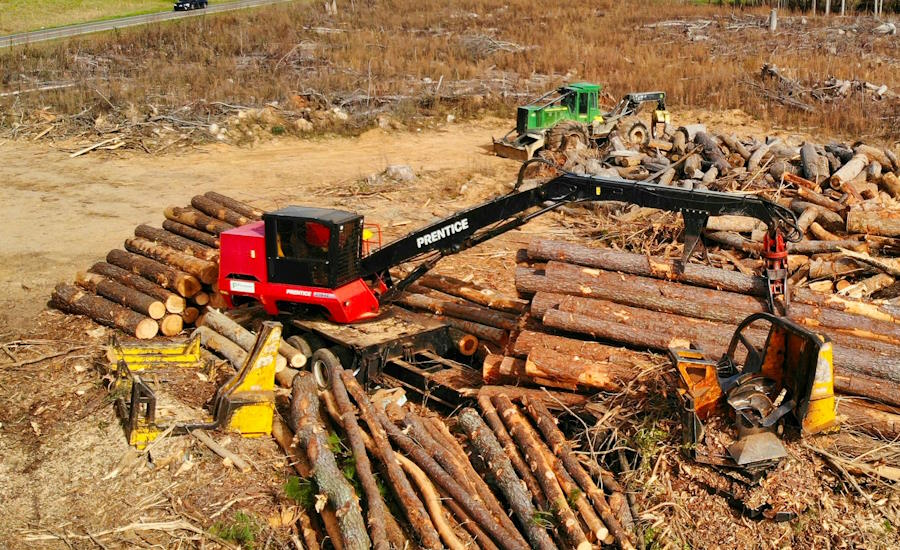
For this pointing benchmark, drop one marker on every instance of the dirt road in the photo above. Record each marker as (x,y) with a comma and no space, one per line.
(61,214)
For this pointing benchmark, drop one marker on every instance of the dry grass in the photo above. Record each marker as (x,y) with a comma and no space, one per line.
(469,58)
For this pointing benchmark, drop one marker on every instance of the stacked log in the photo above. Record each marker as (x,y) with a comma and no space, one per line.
(847,197)
(653,303)
(447,492)
(167,275)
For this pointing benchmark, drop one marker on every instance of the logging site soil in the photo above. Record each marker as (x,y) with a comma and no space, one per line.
(572,313)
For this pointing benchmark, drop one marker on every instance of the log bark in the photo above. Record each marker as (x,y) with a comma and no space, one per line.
(483,332)
(874,220)
(484,316)
(815,166)
(376,509)
(222,345)
(501,471)
(204,270)
(173,302)
(400,486)
(432,502)
(560,447)
(218,211)
(510,449)
(817,198)
(554,400)
(872,421)
(474,293)
(191,233)
(647,266)
(330,480)
(74,300)
(196,219)
(735,145)
(221,324)
(828,219)
(474,508)
(700,303)
(563,371)
(712,153)
(166,276)
(444,456)
(241,208)
(121,294)
(877,389)
(806,218)
(873,154)
(808,247)
(868,286)
(530,446)
(285,438)
(891,183)
(738,224)
(177,242)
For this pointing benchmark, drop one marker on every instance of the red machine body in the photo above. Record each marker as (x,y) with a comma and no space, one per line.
(244,276)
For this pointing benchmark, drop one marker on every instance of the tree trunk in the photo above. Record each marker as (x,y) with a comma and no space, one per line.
(564,371)
(222,345)
(464,344)
(190,315)
(285,438)
(568,524)
(218,211)
(241,208)
(432,502)
(221,324)
(712,153)
(481,315)
(877,221)
(173,302)
(499,369)
(874,388)
(204,270)
(74,300)
(480,295)
(735,145)
(647,266)
(121,294)
(191,233)
(849,170)
(821,200)
(545,423)
(738,224)
(400,486)
(313,439)
(376,509)
(166,276)
(553,400)
(483,332)
(815,166)
(891,184)
(474,508)
(444,456)
(872,421)
(501,472)
(512,452)
(177,242)
(196,219)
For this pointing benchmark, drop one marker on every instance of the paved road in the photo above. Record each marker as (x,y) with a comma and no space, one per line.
(111,24)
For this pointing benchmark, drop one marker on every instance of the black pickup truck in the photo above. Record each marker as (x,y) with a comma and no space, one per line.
(185,5)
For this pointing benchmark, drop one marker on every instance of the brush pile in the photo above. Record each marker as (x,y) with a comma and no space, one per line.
(165,278)
(450,490)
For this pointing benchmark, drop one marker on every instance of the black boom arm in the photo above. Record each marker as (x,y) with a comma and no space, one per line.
(475,225)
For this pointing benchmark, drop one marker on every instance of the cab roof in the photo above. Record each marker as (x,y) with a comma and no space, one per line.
(325,215)
(583,87)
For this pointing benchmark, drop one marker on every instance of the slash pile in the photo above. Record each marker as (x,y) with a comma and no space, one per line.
(165,278)
(439,482)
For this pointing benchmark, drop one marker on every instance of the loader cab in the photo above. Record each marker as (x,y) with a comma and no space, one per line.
(577,101)
(316,247)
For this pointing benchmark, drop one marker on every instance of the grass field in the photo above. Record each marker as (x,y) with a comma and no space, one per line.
(27,15)
(415,59)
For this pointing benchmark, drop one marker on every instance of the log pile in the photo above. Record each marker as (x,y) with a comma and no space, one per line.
(649,303)
(165,278)
(509,480)
(846,198)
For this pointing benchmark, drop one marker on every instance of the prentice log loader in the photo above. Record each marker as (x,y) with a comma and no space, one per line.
(325,271)
(570,114)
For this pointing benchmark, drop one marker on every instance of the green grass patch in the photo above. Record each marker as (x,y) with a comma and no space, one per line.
(28,15)
(241,530)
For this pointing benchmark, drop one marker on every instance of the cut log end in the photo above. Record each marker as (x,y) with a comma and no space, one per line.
(171,325)
(175,304)
(147,329)
(157,310)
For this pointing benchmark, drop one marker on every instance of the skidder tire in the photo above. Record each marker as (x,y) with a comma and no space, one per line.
(633,131)
(567,135)
(324,363)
